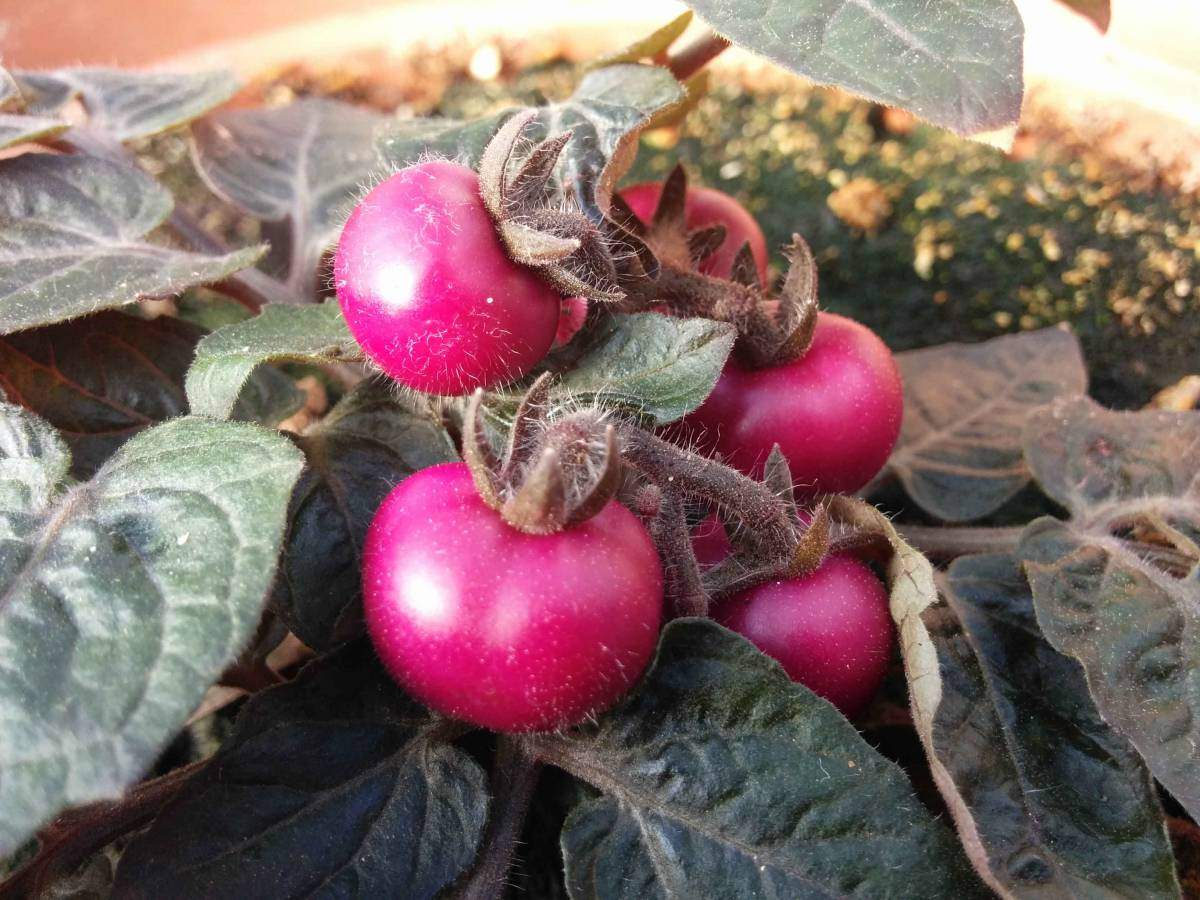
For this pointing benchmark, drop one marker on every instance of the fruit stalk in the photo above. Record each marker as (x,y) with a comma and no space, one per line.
(752,503)
(670,531)
(514,777)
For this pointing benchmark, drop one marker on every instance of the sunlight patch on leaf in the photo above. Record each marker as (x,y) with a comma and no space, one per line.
(965,406)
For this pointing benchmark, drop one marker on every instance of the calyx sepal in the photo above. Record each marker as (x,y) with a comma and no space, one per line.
(553,473)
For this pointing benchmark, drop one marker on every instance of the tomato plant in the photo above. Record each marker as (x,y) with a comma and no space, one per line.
(514,544)
(705,207)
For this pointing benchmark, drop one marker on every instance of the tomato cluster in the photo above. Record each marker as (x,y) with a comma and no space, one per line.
(516,631)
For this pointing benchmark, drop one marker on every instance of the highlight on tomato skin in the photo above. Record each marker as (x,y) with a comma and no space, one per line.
(707,206)
(830,630)
(507,630)
(428,290)
(835,412)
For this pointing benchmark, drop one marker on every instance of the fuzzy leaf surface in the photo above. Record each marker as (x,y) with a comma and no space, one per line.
(965,405)
(720,777)
(303,163)
(1117,586)
(72,241)
(123,598)
(1062,804)
(101,379)
(369,443)
(331,785)
(956,63)
(659,365)
(125,104)
(604,114)
(403,143)
(226,358)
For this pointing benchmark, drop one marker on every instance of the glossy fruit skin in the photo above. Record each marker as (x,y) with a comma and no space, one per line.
(710,543)
(428,290)
(707,206)
(831,630)
(571,319)
(510,631)
(835,412)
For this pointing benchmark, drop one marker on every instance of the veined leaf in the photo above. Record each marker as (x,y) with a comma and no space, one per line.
(72,241)
(331,785)
(225,358)
(101,379)
(123,598)
(1117,586)
(302,163)
(1062,804)
(965,405)
(125,104)
(956,63)
(662,366)
(719,773)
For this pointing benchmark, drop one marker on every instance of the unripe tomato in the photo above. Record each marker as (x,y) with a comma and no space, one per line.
(707,206)
(510,631)
(428,290)
(831,630)
(835,412)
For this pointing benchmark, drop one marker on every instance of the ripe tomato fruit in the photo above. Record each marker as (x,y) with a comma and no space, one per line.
(510,631)
(573,315)
(831,630)
(710,543)
(835,412)
(428,290)
(707,206)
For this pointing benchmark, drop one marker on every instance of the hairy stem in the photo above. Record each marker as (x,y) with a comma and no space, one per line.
(695,56)
(514,777)
(751,502)
(77,834)
(695,294)
(684,586)
(949,541)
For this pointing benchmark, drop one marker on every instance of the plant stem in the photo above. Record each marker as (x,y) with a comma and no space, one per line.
(949,541)
(674,469)
(696,55)
(76,834)
(684,585)
(514,777)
